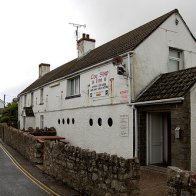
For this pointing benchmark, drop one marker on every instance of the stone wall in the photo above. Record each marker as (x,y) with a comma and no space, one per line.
(86,171)
(90,172)
(1,131)
(181,182)
(23,142)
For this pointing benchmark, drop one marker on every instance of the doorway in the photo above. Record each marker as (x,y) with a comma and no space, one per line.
(24,122)
(158,138)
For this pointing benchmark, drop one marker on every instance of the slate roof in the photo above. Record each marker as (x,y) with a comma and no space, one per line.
(120,45)
(170,85)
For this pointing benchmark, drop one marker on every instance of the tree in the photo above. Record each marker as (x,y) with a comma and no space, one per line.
(10,114)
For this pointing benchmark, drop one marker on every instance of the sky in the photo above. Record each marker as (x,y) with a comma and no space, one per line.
(38,31)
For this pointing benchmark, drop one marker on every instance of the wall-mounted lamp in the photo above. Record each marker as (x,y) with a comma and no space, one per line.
(178,133)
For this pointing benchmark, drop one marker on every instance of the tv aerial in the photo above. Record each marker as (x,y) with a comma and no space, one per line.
(77,27)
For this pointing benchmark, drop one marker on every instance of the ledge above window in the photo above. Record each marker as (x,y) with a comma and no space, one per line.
(72,96)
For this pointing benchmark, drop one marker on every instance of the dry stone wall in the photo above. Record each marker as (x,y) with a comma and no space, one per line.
(23,142)
(181,182)
(87,171)
(90,172)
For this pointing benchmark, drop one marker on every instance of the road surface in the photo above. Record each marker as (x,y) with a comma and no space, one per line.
(15,181)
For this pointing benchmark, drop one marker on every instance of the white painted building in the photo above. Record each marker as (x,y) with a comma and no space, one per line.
(92,100)
(1,104)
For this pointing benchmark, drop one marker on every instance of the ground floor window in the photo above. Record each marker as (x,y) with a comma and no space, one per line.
(41,121)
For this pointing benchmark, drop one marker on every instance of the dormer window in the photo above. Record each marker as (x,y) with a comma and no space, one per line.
(175,60)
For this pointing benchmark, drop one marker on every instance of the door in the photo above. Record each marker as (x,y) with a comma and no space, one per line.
(157,138)
(24,122)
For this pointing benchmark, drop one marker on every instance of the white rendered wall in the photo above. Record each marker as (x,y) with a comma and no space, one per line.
(30,122)
(1,104)
(193,128)
(99,138)
(55,93)
(151,57)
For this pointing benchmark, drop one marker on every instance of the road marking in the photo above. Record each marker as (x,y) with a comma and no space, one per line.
(27,174)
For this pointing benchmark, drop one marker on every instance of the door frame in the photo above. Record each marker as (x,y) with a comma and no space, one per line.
(166,135)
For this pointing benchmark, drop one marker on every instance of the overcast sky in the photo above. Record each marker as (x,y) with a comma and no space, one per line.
(37,31)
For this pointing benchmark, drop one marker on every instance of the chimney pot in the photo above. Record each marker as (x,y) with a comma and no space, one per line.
(85,44)
(83,35)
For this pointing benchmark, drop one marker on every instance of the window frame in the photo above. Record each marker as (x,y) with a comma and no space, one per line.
(41,96)
(41,121)
(32,97)
(25,100)
(179,59)
(73,88)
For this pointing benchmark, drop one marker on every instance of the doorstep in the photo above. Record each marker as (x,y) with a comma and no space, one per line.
(154,168)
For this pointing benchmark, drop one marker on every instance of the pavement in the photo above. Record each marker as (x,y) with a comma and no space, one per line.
(153,181)
(14,180)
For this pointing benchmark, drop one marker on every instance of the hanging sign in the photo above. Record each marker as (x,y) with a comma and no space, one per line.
(99,83)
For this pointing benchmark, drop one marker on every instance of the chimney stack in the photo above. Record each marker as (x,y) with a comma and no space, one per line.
(43,69)
(85,44)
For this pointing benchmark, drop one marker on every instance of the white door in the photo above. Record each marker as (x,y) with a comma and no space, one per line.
(155,138)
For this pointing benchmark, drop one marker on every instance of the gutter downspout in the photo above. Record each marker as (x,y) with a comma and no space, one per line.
(131,95)
(129,77)
(135,133)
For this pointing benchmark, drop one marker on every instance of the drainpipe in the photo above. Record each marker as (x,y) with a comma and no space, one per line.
(135,133)
(130,76)
(131,95)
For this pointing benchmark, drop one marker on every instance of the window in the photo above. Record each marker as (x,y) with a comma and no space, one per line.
(25,100)
(99,121)
(41,96)
(32,99)
(91,122)
(175,60)
(73,86)
(110,122)
(41,121)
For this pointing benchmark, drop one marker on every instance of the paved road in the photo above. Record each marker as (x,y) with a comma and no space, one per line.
(13,182)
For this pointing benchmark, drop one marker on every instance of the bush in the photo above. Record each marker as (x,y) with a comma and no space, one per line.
(10,114)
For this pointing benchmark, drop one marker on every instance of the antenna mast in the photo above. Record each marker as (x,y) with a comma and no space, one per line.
(77,26)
